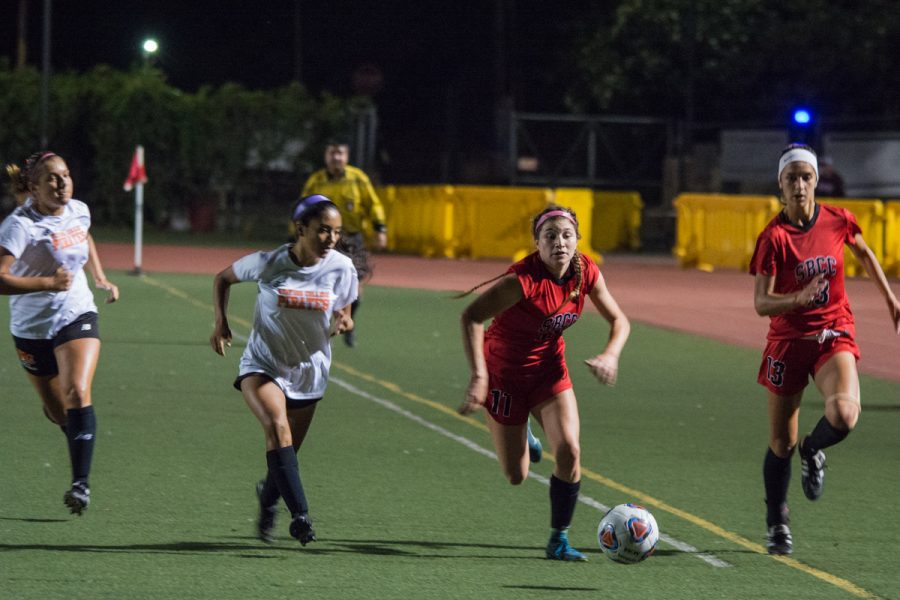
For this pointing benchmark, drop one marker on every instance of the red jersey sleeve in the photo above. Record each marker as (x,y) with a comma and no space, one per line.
(591,275)
(852,227)
(763,260)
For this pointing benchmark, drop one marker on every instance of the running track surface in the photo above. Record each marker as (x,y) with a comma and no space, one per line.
(650,289)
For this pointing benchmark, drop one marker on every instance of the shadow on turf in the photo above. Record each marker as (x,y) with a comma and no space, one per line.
(550,588)
(324,547)
(177,548)
(881,407)
(32,520)
(390,548)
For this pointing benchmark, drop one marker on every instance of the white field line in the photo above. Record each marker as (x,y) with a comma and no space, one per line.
(584,499)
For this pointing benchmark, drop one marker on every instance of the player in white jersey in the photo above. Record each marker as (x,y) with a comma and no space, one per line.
(44,247)
(305,293)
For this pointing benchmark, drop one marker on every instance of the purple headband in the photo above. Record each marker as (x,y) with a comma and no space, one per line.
(550,215)
(307,203)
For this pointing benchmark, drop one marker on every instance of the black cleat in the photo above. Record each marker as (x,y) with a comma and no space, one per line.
(779,540)
(302,529)
(265,525)
(77,498)
(350,338)
(812,473)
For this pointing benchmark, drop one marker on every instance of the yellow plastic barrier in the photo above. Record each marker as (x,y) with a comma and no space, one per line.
(720,230)
(477,221)
(420,219)
(581,200)
(617,221)
(869,214)
(494,222)
(891,262)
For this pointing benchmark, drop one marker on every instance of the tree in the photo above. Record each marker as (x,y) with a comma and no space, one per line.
(731,60)
(198,146)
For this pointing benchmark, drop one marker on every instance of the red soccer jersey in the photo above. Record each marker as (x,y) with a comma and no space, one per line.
(530,332)
(795,255)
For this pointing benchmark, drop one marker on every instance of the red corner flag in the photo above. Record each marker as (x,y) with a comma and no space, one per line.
(136,173)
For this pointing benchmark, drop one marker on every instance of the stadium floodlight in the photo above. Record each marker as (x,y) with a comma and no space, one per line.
(150,46)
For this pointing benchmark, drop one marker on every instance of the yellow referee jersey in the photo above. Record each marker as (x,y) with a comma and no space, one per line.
(352,193)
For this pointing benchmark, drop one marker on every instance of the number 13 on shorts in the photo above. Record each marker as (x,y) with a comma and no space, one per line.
(776,371)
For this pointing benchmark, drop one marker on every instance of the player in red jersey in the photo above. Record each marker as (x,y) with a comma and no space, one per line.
(799,268)
(519,367)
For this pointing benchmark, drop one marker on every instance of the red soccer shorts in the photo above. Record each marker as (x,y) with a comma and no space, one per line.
(787,365)
(513,393)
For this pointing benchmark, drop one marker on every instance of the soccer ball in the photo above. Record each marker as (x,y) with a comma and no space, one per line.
(628,533)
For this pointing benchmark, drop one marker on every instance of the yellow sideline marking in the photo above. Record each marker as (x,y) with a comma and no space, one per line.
(641,497)
(191,300)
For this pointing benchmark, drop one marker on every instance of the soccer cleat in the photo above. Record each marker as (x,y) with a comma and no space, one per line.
(77,498)
(265,525)
(812,473)
(558,548)
(535,450)
(302,529)
(350,338)
(779,540)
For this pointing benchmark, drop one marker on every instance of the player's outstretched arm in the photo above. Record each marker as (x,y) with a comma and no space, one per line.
(502,295)
(605,366)
(221,335)
(96,268)
(873,268)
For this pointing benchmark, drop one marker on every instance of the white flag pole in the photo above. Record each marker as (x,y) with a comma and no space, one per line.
(138,226)
(139,216)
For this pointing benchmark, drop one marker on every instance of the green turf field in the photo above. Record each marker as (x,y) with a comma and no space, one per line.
(405,502)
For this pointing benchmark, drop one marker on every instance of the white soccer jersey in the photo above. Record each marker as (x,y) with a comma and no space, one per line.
(290,339)
(41,244)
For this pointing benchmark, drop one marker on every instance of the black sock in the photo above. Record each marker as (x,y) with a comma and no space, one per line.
(823,435)
(81,429)
(563,498)
(285,471)
(353,308)
(270,495)
(776,477)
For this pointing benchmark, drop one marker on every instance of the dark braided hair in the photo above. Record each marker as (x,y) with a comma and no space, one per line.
(22,177)
(536,225)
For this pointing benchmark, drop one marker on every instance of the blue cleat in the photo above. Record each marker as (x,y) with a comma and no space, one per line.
(535,450)
(558,548)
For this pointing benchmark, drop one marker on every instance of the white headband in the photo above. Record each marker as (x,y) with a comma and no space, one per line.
(801,155)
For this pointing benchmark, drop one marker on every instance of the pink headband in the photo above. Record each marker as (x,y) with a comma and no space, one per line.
(550,215)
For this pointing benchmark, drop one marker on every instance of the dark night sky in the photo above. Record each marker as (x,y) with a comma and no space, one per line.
(437,58)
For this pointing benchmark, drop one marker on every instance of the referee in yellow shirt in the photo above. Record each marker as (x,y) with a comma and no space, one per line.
(350,189)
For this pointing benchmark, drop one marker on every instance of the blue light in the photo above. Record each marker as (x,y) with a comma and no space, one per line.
(802,116)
